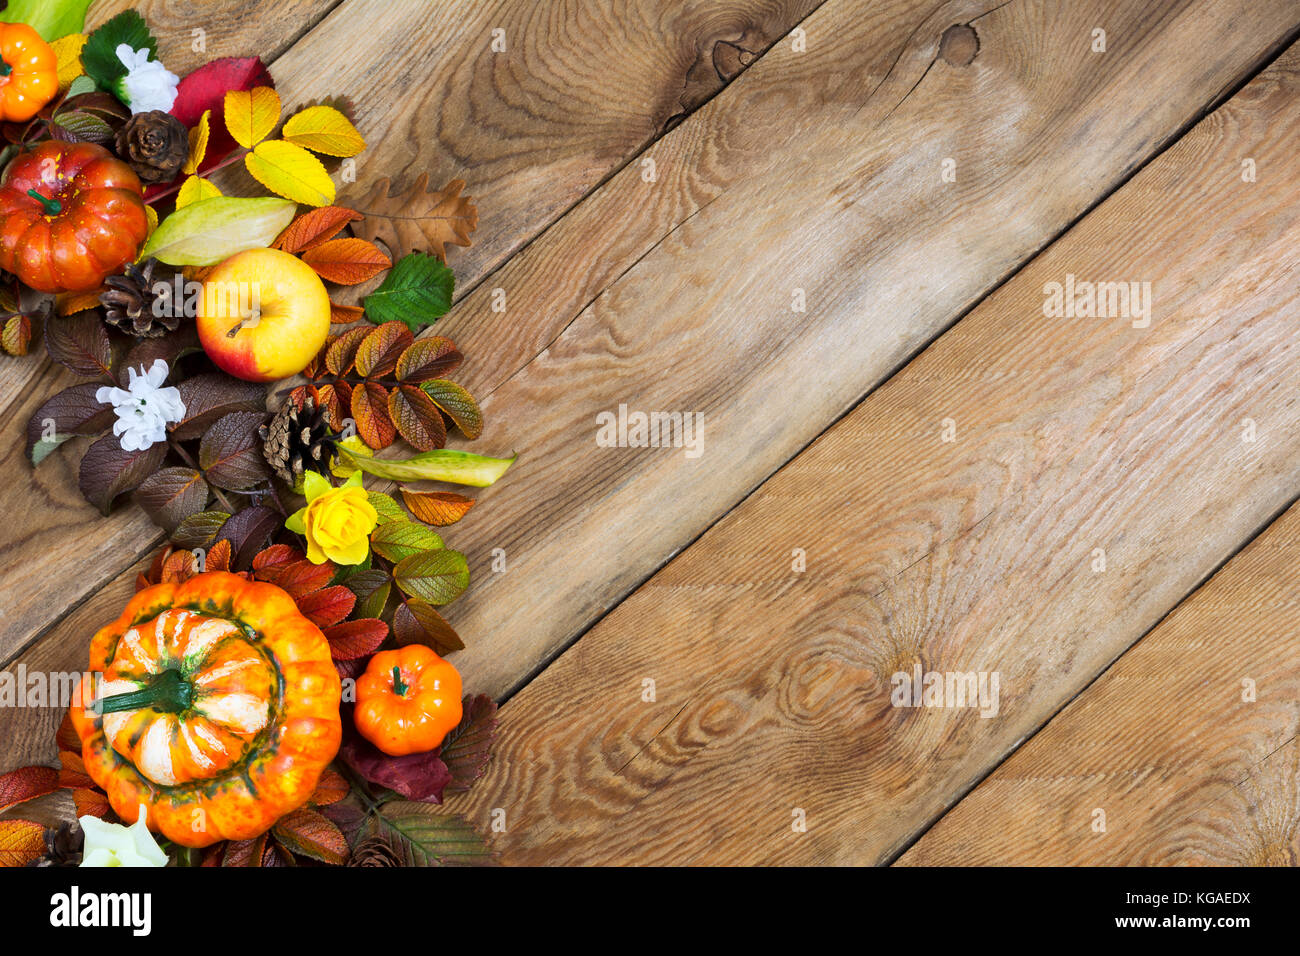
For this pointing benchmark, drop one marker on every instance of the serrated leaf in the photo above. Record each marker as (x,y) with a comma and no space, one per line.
(213,395)
(327,606)
(99,55)
(81,84)
(417,776)
(169,348)
(416,292)
(171,495)
(245,852)
(370,411)
(251,114)
(198,138)
(274,558)
(427,836)
(219,556)
(458,403)
(432,357)
(206,232)
(300,578)
(108,471)
(67,53)
(195,189)
(198,530)
(83,127)
(397,540)
(417,622)
(372,589)
(80,342)
(379,351)
(341,353)
(467,748)
(292,172)
(309,834)
(417,418)
(438,577)
(231,452)
(325,130)
(438,508)
(248,531)
(346,261)
(330,788)
(16,337)
(386,507)
(73,411)
(21,842)
(26,783)
(91,803)
(314,227)
(353,639)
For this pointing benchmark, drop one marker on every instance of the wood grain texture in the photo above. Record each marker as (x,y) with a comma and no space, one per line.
(772,685)
(532,130)
(1185,770)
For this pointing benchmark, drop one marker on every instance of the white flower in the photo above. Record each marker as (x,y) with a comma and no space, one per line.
(148,85)
(144,408)
(111,844)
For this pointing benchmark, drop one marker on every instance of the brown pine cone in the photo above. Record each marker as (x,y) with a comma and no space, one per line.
(298,439)
(129,303)
(155,144)
(374,851)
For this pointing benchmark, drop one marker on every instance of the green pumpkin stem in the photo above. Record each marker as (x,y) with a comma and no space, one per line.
(168,692)
(399,686)
(5,68)
(52,206)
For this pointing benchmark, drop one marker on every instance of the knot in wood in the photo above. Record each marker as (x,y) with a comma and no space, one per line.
(959,44)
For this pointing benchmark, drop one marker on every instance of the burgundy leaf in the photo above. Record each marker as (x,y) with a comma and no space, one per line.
(171,495)
(247,531)
(107,471)
(212,395)
(231,452)
(467,748)
(353,639)
(73,411)
(415,776)
(80,342)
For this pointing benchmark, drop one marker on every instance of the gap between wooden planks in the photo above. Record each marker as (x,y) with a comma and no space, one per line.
(670,305)
(772,685)
(530,140)
(1169,758)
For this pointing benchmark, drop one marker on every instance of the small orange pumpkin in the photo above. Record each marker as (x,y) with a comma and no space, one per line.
(29,72)
(217,708)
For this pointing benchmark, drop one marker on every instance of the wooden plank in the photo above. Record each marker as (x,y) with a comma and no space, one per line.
(531,141)
(773,641)
(1187,766)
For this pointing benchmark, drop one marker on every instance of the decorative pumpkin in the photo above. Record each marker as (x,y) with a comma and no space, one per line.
(407,700)
(218,708)
(29,72)
(70,215)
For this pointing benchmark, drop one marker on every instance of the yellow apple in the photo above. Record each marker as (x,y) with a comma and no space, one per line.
(263,315)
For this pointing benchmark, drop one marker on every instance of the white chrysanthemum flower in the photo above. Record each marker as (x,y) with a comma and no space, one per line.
(148,85)
(111,844)
(144,408)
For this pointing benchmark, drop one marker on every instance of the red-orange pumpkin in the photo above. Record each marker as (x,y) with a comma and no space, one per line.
(70,214)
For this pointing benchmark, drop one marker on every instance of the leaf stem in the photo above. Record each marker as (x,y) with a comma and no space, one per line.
(189,460)
(175,187)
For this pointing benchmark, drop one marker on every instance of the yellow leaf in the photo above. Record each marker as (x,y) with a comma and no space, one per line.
(152,216)
(325,130)
(67,52)
(252,114)
(291,171)
(198,143)
(194,189)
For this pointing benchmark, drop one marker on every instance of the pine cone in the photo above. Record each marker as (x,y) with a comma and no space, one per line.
(298,438)
(155,144)
(63,845)
(374,851)
(129,303)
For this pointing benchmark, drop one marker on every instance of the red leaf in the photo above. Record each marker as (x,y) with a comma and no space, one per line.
(301,577)
(206,88)
(437,507)
(327,607)
(245,852)
(315,227)
(72,772)
(276,556)
(26,783)
(91,803)
(353,639)
(421,776)
(370,412)
(335,399)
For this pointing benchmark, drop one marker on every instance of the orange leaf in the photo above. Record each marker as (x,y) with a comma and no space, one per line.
(433,357)
(437,507)
(26,783)
(72,773)
(69,302)
(418,219)
(310,834)
(346,261)
(327,606)
(21,841)
(336,403)
(67,738)
(91,803)
(331,788)
(312,228)
(245,852)
(342,352)
(301,577)
(379,351)
(417,418)
(370,412)
(179,566)
(345,314)
(218,558)
(353,639)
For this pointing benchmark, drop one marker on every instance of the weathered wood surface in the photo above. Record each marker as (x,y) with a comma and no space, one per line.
(772,685)
(530,140)
(1170,758)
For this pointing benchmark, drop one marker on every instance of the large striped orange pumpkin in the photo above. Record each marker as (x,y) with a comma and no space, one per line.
(217,708)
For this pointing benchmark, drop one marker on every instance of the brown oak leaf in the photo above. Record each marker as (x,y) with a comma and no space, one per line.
(418,218)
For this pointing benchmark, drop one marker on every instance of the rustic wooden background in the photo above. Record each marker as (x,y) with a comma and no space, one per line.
(829,535)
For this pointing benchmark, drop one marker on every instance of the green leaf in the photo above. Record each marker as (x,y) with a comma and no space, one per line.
(82,84)
(199,530)
(372,589)
(457,467)
(99,55)
(397,540)
(457,403)
(417,291)
(425,836)
(438,577)
(386,506)
(210,230)
(50,18)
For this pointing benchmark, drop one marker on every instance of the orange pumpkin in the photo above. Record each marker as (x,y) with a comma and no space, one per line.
(29,72)
(217,707)
(408,700)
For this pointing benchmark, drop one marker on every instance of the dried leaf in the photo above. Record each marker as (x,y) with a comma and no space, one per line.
(231,452)
(251,114)
(330,788)
(197,531)
(179,566)
(248,531)
(314,227)
(73,411)
(72,770)
(328,606)
(432,357)
(346,261)
(290,171)
(345,314)
(437,508)
(218,556)
(80,342)
(16,337)
(21,841)
(459,405)
(26,783)
(379,351)
(273,558)
(107,471)
(341,353)
(416,622)
(370,412)
(398,540)
(66,737)
(424,836)
(467,749)
(438,577)
(299,578)
(417,418)
(171,495)
(70,303)
(309,834)
(336,399)
(418,218)
(325,130)
(352,639)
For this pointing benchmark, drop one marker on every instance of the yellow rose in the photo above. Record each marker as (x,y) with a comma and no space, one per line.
(336,522)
